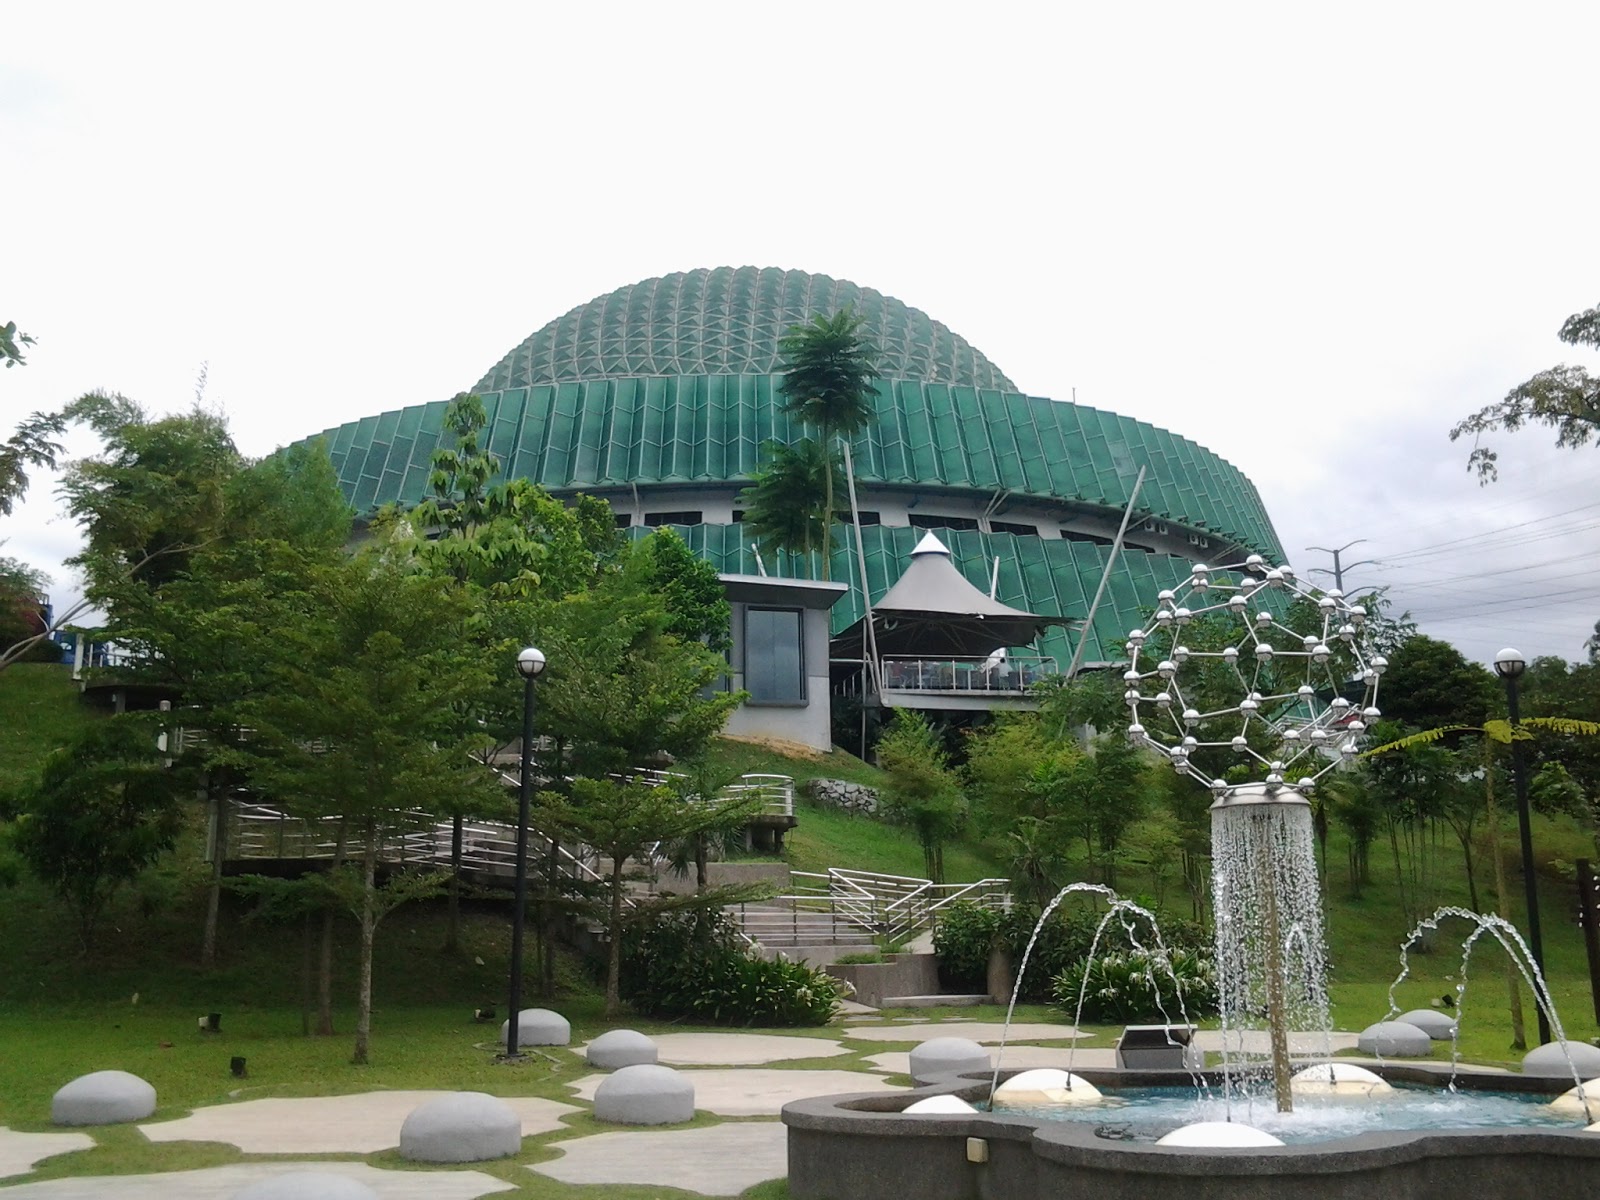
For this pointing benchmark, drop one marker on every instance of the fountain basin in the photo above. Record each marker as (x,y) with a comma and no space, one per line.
(863,1147)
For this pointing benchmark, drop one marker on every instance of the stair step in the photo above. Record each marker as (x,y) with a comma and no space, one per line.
(962,1001)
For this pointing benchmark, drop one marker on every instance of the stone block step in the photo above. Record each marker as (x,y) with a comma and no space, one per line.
(961,1001)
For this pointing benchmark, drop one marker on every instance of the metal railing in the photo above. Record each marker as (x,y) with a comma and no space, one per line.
(864,906)
(1011,675)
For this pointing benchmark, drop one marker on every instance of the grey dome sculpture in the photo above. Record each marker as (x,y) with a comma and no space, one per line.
(1395,1039)
(103,1098)
(941,1056)
(1441,1027)
(539,1027)
(461,1127)
(307,1185)
(621,1048)
(1550,1059)
(645,1095)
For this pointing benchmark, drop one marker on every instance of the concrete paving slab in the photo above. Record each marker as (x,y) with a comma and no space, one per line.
(220,1182)
(358,1124)
(738,1049)
(978,1031)
(722,1160)
(852,1008)
(1259,1041)
(20,1151)
(753,1092)
(897,1062)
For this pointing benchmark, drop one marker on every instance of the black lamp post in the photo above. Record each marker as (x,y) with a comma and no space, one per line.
(530,664)
(1509,665)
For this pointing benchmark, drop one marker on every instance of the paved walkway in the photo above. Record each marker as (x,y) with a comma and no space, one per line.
(20,1151)
(727,1069)
(753,1092)
(359,1124)
(738,1049)
(721,1160)
(220,1182)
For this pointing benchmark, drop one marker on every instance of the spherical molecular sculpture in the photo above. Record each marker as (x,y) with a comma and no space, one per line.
(1277,699)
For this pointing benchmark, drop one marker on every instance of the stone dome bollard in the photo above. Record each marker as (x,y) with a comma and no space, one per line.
(103,1098)
(621,1048)
(539,1027)
(1394,1039)
(1046,1087)
(645,1095)
(461,1127)
(943,1106)
(307,1185)
(941,1056)
(1549,1060)
(1440,1026)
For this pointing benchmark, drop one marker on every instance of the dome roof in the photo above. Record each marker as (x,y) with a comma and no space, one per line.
(727,321)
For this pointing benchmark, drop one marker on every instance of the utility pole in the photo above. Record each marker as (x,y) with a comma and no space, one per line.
(1339,567)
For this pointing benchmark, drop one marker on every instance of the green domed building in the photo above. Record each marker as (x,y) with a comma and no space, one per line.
(658,397)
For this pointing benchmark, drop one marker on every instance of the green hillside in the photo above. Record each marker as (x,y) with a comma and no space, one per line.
(153,932)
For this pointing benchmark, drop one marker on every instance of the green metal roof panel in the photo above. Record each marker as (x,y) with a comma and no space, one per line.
(727,321)
(699,429)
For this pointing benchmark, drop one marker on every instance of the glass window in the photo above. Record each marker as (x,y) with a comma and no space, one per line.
(774,661)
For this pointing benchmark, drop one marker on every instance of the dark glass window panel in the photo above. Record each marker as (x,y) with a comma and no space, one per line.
(774,659)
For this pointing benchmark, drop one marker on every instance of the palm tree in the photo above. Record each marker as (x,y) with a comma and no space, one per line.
(828,369)
(785,503)
(1495,733)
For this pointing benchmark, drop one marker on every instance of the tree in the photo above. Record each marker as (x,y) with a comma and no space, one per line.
(1430,683)
(361,721)
(919,787)
(101,810)
(1501,733)
(829,368)
(696,602)
(623,818)
(21,604)
(11,344)
(32,444)
(785,504)
(1565,398)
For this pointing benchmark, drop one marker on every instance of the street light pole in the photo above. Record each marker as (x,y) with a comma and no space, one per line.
(1509,665)
(530,664)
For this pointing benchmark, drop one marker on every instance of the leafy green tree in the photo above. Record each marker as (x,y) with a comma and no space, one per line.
(1493,733)
(33,443)
(690,588)
(919,787)
(155,493)
(361,721)
(11,344)
(102,810)
(829,367)
(1430,683)
(1565,398)
(785,506)
(623,818)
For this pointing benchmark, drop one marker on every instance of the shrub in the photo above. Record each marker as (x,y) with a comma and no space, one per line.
(962,940)
(690,964)
(1065,940)
(1136,985)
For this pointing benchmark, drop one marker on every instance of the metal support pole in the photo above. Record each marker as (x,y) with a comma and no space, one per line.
(1589,909)
(1105,577)
(1519,775)
(513,1032)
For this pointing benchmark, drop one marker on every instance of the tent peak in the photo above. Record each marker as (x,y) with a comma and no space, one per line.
(930,545)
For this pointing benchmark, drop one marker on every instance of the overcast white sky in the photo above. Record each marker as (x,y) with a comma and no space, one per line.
(1309,237)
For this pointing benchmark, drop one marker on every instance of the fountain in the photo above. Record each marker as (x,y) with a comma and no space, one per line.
(1258,712)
